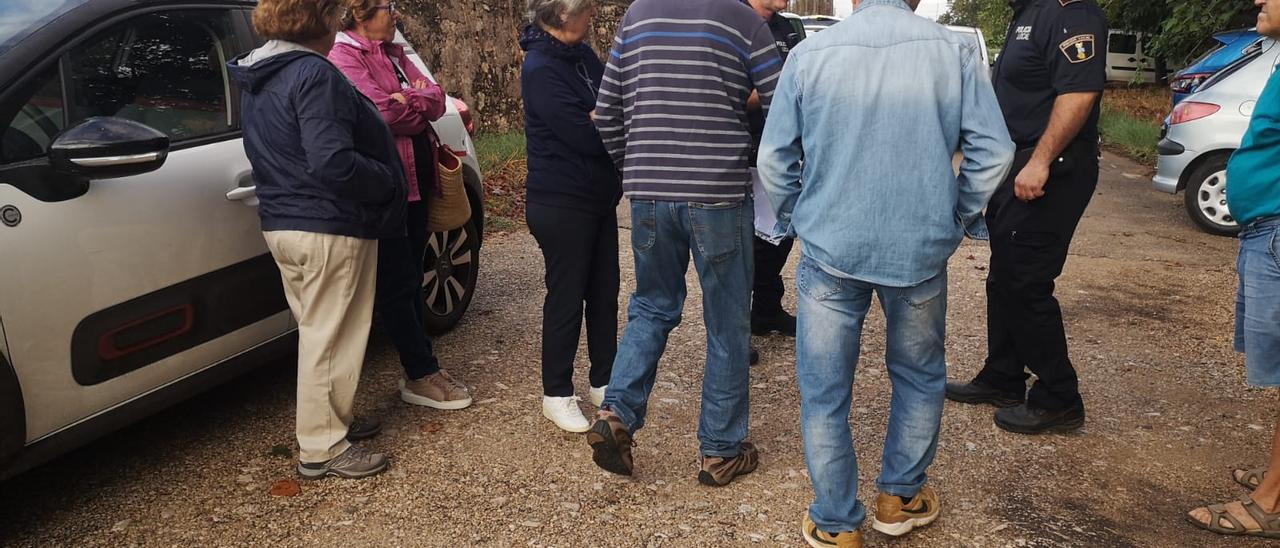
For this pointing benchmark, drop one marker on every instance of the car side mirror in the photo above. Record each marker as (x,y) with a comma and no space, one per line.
(107,147)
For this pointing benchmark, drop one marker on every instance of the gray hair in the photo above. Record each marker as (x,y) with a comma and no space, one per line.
(546,13)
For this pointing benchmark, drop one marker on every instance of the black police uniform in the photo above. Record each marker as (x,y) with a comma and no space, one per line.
(1053,47)
(767,286)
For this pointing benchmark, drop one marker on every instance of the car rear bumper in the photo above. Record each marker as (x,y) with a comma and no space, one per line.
(1170,167)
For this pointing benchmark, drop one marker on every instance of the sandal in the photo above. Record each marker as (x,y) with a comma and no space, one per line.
(1269,524)
(1249,478)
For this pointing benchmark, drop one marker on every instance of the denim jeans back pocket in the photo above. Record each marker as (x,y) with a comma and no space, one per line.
(717,229)
(814,283)
(921,296)
(644,224)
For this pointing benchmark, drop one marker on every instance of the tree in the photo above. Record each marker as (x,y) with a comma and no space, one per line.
(1177,30)
(992,16)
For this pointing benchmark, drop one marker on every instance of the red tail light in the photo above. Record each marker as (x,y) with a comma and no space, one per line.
(465,112)
(1188,111)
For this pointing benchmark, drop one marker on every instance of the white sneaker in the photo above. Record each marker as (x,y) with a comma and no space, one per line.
(565,413)
(597,395)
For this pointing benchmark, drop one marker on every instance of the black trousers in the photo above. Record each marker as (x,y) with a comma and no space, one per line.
(399,294)
(1029,243)
(581,254)
(767,287)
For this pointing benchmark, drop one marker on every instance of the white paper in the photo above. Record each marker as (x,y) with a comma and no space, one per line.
(766,220)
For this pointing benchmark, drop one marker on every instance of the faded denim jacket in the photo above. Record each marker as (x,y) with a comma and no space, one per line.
(876,106)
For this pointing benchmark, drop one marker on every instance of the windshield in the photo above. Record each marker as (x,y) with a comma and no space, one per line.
(20,18)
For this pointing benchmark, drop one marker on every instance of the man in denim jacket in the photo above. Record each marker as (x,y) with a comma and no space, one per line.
(876,106)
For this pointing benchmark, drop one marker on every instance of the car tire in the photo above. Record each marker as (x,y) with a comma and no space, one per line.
(451,267)
(1206,197)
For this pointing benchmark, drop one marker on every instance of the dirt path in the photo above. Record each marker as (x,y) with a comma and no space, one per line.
(1149,303)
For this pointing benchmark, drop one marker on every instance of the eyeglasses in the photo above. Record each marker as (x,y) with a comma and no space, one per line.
(389,6)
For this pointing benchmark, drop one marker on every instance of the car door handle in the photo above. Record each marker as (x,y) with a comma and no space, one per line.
(1133,59)
(240,194)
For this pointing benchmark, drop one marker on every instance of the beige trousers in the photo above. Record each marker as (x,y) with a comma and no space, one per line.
(329,282)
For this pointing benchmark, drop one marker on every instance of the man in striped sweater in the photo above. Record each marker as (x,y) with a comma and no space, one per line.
(672,113)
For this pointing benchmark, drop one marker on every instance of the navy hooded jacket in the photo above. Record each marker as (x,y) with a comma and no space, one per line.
(568,164)
(323,159)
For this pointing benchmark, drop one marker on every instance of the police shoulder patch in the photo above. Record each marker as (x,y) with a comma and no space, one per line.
(1078,48)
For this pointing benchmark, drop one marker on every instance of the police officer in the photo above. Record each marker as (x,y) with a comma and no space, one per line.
(767,314)
(1049,82)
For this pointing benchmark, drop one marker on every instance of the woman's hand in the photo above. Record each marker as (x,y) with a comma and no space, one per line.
(399,97)
(420,84)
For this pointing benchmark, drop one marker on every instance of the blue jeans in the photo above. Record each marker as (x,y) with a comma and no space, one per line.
(1258,302)
(663,236)
(829,332)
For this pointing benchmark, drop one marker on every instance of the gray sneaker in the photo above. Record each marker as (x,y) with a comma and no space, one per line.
(354,463)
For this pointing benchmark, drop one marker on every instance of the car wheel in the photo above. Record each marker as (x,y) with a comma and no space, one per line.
(1206,198)
(450,268)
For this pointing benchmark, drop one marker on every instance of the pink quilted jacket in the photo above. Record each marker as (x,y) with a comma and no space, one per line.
(368,64)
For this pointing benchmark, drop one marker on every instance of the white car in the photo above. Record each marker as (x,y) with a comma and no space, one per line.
(135,273)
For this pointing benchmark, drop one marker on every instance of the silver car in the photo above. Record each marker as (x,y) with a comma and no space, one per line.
(1202,132)
(134,272)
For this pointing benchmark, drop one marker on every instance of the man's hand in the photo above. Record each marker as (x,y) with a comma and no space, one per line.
(1029,184)
(592,114)
(399,97)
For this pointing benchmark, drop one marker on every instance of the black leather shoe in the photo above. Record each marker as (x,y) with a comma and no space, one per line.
(783,323)
(754,357)
(980,392)
(1034,420)
(363,428)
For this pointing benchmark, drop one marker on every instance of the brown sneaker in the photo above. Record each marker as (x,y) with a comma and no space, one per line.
(822,539)
(719,471)
(895,518)
(610,443)
(438,391)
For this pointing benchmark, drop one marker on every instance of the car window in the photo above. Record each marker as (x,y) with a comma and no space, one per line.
(1126,44)
(165,70)
(33,120)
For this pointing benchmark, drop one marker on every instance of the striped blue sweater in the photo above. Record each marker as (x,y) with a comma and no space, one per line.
(672,104)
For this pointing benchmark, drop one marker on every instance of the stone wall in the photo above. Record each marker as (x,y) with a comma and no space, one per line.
(472,49)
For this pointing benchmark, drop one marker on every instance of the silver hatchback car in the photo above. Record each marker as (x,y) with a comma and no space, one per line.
(134,272)
(1202,132)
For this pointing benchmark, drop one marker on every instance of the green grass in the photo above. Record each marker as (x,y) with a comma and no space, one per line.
(1135,138)
(498,149)
(502,161)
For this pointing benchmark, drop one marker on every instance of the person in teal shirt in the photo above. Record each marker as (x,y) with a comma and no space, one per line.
(1254,199)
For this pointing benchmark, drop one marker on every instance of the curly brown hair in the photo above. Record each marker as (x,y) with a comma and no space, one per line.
(358,10)
(297,20)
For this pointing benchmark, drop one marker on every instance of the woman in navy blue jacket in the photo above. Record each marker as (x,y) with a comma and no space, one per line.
(572,190)
(329,183)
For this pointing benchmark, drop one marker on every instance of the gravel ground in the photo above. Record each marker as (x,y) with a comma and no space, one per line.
(1148,300)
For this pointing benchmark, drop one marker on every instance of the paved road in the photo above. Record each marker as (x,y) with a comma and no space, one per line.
(1148,300)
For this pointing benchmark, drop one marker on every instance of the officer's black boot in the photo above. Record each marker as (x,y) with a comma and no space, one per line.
(976,391)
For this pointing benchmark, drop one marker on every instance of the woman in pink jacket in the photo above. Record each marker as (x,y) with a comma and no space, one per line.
(409,102)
